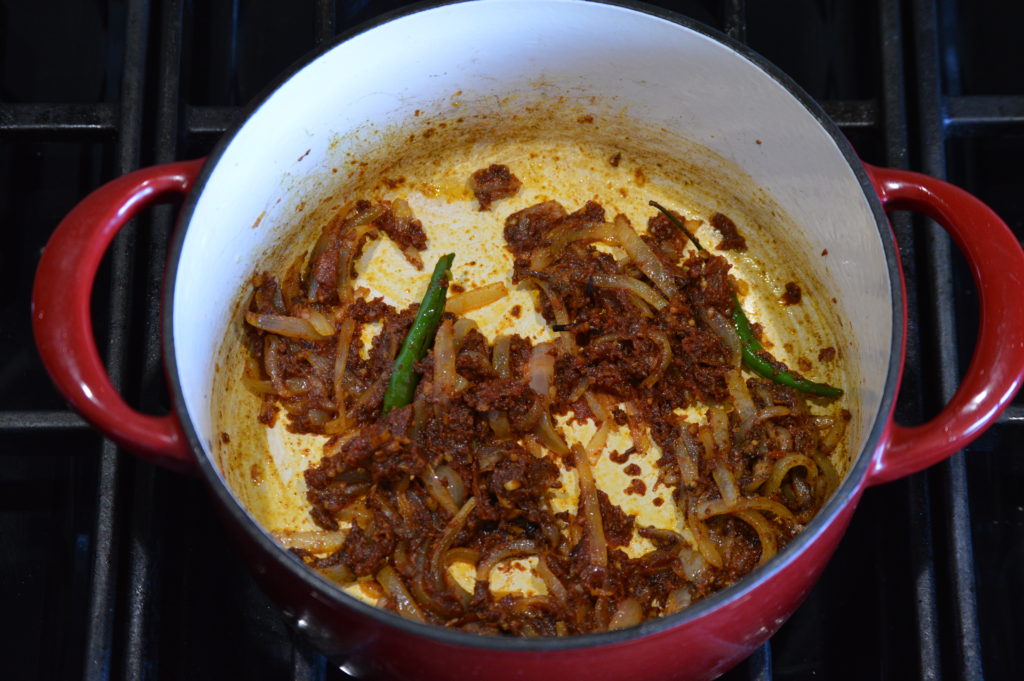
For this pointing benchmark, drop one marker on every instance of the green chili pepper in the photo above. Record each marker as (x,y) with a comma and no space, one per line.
(749,343)
(402,385)
(760,365)
(678,223)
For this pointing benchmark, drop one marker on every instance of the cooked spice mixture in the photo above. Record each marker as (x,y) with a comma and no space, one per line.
(447,449)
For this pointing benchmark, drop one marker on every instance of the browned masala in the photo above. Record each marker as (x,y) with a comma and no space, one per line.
(481,440)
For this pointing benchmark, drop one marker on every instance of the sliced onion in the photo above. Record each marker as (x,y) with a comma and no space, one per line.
(462,328)
(444,360)
(783,439)
(580,388)
(453,482)
(773,412)
(644,258)
(348,328)
(561,316)
(541,368)
(705,546)
(826,467)
(316,541)
(444,542)
(782,468)
(339,573)
(498,420)
(296,386)
(437,490)
(831,438)
(258,386)
(533,448)
(549,437)
(637,430)
(727,486)
(590,511)
(600,437)
(692,563)
(596,406)
(724,329)
(511,549)
(320,323)
(468,301)
(529,420)
(661,338)
(502,345)
(708,441)
(350,245)
(687,454)
(393,587)
(461,555)
(719,422)
(746,410)
(553,583)
(567,233)
(488,457)
(283,325)
(715,507)
(642,290)
(358,514)
(628,614)
(766,533)
(643,308)
(678,599)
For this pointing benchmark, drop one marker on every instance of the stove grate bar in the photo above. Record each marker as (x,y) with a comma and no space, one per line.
(35,421)
(981,113)
(103,589)
(950,477)
(81,122)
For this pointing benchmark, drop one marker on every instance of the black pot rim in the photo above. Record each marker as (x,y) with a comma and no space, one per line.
(847,492)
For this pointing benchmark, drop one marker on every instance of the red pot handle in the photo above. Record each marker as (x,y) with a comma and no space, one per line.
(62,321)
(994,374)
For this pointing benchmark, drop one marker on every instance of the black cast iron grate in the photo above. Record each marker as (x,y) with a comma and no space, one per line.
(111,569)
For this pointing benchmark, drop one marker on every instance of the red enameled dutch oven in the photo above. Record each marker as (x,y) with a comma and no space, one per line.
(667,72)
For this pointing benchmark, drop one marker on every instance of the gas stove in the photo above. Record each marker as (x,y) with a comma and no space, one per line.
(113,569)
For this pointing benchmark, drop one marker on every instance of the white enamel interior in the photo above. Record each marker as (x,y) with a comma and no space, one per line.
(662,73)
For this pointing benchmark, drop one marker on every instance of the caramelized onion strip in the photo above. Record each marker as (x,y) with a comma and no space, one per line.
(766,533)
(716,507)
(283,325)
(444,360)
(642,290)
(561,316)
(437,490)
(552,582)
(400,596)
(502,345)
(661,338)
(724,329)
(474,299)
(444,542)
(782,468)
(628,614)
(512,549)
(644,258)
(341,362)
(549,437)
(590,511)
(746,410)
(687,453)
(316,541)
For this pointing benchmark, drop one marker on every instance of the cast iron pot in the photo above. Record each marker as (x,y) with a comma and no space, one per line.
(672,73)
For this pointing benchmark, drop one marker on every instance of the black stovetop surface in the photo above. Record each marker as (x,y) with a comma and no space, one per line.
(111,569)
